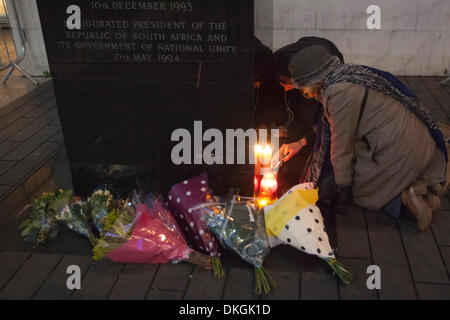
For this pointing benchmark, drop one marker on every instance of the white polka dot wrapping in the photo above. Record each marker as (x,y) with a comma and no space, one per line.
(306,230)
(187,195)
(306,233)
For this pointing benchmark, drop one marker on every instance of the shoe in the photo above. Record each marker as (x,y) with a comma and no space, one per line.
(433,201)
(417,205)
(420,187)
(437,189)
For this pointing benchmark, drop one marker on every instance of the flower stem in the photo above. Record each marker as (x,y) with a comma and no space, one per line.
(217,267)
(342,272)
(263,281)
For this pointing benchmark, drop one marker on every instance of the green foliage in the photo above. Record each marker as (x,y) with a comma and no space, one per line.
(118,226)
(342,272)
(42,223)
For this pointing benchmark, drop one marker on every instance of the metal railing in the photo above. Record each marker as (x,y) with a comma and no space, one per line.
(13,22)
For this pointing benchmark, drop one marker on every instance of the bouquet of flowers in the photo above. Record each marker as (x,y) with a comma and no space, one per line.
(182,198)
(239,225)
(52,210)
(148,234)
(296,221)
(44,220)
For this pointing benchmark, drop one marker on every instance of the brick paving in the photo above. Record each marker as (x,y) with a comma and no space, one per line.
(413,265)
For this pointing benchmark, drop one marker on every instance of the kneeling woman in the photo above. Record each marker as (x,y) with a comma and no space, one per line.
(379,136)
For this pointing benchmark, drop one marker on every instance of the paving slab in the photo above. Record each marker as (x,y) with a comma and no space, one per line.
(441,227)
(30,277)
(288,286)
(352,237)
(439,92)
(7,146)
(173,276)
(288,259)
(433,82)
(423,254)
(42,108)
(57,137)
(7,106)
(55,287)
(10,264)
(446,254)
(134,282)
(21,89)
(388,253)
(4,189)
(358,290)
(433,291)
(12,201)
(240,285)
(26,166)
(424,94)
(13,116)
(14,128)
(31,144)
(5,166)
(34,126)
(47,94)
(158,294)
(99,280)
(318,286)
(203,285)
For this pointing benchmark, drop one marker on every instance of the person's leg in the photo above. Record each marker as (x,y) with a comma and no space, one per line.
(394,207)
(327,185)
(413,199)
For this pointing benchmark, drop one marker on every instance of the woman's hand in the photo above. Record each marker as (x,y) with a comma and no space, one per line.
(287,151)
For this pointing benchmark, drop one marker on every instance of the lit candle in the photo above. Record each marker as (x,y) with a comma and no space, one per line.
(269,185)
(267,156)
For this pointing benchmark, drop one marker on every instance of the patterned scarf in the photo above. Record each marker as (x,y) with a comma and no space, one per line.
(380,81)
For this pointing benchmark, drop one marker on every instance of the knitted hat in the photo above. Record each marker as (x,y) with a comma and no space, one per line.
(312,65)
(282,56)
